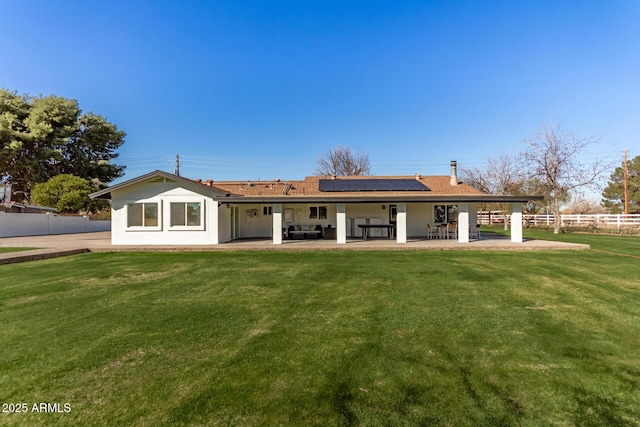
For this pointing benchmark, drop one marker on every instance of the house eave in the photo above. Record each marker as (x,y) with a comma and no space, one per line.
(187,183)
(439,198)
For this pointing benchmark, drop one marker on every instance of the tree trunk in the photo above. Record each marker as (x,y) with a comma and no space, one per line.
(556,215)
(504,216)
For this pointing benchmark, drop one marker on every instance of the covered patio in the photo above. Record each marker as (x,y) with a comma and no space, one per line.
(489,241)
(409,218)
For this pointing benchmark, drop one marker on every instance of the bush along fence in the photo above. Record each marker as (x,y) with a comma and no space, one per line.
(596,221)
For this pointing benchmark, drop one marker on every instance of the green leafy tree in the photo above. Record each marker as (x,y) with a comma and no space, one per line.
(89,150)
(68,194)
(613,194)
(41,137)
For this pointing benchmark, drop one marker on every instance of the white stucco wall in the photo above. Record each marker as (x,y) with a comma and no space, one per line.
(224,223)
(364,213)
(164,193)
(418,216)
(301,214)
(253,222)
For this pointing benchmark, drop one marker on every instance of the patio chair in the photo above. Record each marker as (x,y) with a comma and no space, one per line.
(432,232)
(451,231)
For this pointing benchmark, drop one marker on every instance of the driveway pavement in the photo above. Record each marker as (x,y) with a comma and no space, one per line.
(91,241)
(53,246)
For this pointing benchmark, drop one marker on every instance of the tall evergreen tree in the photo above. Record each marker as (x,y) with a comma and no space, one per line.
(613,194)
(44,136)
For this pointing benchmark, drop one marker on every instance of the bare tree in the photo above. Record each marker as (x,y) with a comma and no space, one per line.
(582,206)
(343,161)
(502,175)
(551,156)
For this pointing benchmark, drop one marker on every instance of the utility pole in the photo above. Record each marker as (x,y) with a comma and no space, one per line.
(177,170)
(626,185)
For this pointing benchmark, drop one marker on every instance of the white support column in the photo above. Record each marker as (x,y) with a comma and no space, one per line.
(341,223)
(463,222)
(214,226)
(401,223)
(276,212)
(516,222)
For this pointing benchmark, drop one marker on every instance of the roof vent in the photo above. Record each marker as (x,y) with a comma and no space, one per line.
(418,176)
(249,184)
(198,180)
(454,173)
(276,179)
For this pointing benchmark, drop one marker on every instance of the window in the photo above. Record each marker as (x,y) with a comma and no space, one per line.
(445,214)
(185,214)
(452,213)
(142,215)
(267,210)
(317,212)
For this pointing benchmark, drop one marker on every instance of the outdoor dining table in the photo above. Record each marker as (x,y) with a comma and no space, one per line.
(367,227)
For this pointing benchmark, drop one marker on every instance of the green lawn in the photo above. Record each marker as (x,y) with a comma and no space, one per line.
(4,250)
(602,242)
(453,338)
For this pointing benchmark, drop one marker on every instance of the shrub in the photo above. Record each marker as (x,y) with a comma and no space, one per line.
(68,194)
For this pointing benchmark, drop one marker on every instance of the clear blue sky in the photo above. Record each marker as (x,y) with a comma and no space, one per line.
(260,89)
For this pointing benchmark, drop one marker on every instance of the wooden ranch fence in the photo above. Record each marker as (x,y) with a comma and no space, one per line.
(618,221)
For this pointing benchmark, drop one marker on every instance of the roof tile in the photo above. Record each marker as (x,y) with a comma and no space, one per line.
(438,185)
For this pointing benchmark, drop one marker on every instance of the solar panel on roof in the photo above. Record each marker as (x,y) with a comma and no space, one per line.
(389,184)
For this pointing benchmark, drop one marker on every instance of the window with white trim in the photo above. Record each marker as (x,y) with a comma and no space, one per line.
(142,215)
(318,212)
(185,214)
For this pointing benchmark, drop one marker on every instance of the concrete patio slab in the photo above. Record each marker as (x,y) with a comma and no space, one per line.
(66,244)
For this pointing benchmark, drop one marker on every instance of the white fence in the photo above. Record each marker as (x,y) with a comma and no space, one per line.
(27,224)
(593,221)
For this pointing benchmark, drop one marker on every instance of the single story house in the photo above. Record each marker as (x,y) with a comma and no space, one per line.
(160,208)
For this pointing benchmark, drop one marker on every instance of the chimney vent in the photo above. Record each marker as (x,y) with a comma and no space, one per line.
(454,173)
